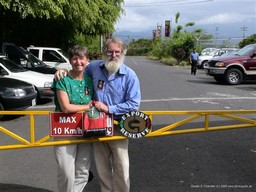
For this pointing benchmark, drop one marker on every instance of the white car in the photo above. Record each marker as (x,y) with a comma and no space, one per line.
(42,82)
(52,56)
(203,59)
(206,51)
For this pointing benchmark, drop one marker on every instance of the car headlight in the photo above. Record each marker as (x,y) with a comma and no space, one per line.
(15,92)
(219,64)
(19,92)
(47,84)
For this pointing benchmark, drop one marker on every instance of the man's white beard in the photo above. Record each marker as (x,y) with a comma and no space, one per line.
(113,66)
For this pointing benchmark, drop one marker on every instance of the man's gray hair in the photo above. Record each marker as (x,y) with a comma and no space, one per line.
(117,41)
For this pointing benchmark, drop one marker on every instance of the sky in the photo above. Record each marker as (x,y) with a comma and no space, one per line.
(218,17)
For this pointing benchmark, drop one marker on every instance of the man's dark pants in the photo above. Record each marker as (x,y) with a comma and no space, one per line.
(193,67)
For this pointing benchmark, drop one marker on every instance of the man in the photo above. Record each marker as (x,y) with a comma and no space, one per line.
(193,59)
(117,91)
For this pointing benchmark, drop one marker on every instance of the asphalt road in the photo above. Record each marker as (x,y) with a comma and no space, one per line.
(201,162)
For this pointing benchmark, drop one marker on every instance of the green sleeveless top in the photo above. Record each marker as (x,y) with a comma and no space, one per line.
(79,92)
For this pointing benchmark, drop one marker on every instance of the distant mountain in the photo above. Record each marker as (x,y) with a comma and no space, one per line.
(231,32)
(129,36)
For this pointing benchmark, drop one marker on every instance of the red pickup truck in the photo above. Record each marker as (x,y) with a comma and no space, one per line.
(232,70)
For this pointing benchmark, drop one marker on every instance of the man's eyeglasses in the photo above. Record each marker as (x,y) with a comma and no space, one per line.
(111,52)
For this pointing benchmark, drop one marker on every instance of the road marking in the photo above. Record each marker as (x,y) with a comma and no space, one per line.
(135,63)
(199,98)
(203,99)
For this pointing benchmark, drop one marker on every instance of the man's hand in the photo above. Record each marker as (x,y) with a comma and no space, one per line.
(60,74)
(101,106)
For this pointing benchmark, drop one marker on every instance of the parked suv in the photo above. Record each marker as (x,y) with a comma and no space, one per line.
(25,59)
(52,56)
(232,70)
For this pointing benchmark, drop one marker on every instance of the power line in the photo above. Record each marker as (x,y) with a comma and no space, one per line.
(174,2)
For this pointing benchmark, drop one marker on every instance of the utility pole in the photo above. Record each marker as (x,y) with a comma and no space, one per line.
(216,35)
(244,29)
(101,43)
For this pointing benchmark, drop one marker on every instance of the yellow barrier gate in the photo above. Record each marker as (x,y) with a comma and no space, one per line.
(238,120)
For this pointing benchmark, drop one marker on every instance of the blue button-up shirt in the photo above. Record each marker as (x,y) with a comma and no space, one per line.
(120,91)
(194,56)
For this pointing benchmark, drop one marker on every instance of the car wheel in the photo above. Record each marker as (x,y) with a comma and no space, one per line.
(233,77)
(203,64)
(1,109)
(219,79)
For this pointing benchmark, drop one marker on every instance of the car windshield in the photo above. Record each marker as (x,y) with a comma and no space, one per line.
(229,53)
(36,62)
(33,59)
(207,51)
(246,50)
(13,67)
(212,53)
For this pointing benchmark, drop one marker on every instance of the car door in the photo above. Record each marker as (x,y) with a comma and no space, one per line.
(250,63)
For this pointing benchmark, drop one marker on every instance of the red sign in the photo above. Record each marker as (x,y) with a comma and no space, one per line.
(159,31)
(66,124)
(167,28)
(98,124)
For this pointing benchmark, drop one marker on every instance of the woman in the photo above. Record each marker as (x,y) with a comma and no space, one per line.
(73,93)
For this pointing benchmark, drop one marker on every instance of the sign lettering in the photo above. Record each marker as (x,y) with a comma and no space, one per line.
(135,124)
(66,124)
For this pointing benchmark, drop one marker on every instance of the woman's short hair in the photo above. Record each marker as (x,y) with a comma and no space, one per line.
(78,50)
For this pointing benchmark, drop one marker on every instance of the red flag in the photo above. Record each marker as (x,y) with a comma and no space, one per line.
(167,28)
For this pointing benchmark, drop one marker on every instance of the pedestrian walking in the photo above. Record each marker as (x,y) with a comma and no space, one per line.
(193,60)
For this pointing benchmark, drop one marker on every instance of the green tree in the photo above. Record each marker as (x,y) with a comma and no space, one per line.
(248,40)
(182,41)
(49,22)
(200,36)
(181,46)
(139,47)
(35,8)
(157,50)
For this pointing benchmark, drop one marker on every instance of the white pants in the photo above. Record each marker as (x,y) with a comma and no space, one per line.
(73,163)
(112,163)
